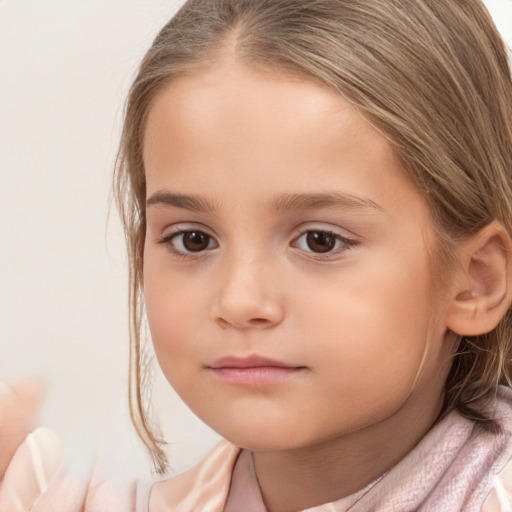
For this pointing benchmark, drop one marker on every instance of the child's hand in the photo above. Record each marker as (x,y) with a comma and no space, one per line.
(33,466)
(38,481)
(19,408)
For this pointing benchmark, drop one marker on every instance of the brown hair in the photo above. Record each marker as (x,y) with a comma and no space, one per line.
(431,75)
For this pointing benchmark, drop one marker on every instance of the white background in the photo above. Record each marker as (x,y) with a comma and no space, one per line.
(65,67)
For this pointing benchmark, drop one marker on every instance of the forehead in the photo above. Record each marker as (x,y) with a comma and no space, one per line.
(233,129)
(247,105)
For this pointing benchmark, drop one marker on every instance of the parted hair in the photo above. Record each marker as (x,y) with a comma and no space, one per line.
(432,76)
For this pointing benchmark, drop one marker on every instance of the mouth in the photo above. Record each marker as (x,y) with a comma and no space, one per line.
(253,371)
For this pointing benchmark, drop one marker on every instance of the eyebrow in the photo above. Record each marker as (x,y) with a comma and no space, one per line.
(280,203)
(186,202)
(294,202)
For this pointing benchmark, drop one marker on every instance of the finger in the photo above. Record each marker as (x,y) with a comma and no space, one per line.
(19,407)
(32,467)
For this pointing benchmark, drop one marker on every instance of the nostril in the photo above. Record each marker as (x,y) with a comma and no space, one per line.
(256,321)
(246,312)
(223,323)
(252,322)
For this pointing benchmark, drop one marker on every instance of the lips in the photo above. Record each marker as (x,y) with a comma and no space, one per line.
(248,362)
(253,371)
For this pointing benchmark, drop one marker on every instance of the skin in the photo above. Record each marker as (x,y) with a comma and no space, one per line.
(19,406)
(360,323)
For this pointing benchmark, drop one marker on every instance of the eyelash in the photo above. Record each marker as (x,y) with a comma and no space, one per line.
(342,243)
(169,242)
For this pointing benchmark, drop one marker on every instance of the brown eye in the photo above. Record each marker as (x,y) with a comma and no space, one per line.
(320,241)
(195,241)
(188,242)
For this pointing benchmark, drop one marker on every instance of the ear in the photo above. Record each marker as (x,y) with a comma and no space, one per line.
(482,293)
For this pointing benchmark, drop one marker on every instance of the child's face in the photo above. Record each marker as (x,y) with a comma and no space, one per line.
(286,271)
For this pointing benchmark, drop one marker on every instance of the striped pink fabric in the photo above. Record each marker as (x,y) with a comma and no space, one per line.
(453,469)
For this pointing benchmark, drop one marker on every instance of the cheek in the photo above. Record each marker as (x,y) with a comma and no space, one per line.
(171,307)
(371,329)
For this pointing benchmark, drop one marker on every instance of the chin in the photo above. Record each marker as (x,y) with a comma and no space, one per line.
(268,438)
(260,436)
(259,443)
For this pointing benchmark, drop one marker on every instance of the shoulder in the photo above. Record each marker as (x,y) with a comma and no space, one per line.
(500,497)
(203,487)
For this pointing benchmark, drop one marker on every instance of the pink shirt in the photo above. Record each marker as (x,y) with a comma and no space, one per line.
(244,493)
(454,468)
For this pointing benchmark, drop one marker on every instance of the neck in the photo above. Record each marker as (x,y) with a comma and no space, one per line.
(297,479)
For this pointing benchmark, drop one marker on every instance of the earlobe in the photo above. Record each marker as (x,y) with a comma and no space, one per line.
(483,292)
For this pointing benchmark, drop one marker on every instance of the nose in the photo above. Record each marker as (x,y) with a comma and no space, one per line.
(249,295)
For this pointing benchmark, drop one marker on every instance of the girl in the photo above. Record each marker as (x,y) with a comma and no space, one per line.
(316,197)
